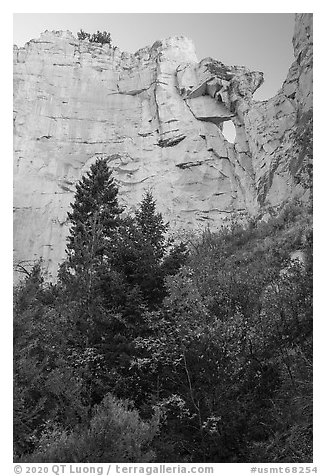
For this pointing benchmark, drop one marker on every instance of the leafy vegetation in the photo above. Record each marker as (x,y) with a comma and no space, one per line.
(147,350)
(115,433)
(98,37)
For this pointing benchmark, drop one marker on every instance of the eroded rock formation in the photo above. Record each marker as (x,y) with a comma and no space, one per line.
(158,115)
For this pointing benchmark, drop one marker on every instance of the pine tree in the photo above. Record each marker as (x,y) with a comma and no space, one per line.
(89,282)
(145,254)
(152,225)
(94,217)
(142,248)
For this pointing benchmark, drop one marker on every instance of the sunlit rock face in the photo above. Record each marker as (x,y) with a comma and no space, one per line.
(158,116)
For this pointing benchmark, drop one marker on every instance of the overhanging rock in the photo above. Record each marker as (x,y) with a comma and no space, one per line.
(205,108)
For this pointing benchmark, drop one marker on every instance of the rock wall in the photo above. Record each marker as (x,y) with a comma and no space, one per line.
(158,116)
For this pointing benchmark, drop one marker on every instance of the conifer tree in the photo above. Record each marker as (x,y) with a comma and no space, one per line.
(89,282)
(145,254)
(152,225)
(94,217)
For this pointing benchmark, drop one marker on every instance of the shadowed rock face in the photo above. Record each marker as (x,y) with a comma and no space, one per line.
(158,116)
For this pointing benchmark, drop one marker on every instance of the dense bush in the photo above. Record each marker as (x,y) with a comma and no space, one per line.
(115,433)
(98,37)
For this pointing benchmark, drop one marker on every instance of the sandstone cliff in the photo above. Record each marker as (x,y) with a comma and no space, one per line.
(158,115)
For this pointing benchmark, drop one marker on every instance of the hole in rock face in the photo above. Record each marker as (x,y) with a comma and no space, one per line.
(229,131)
